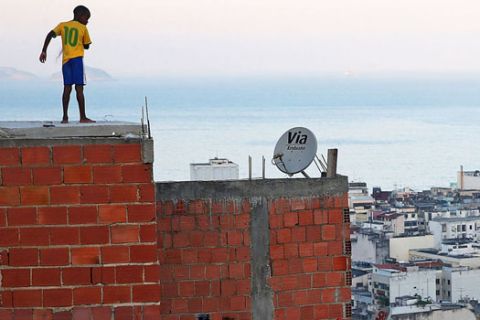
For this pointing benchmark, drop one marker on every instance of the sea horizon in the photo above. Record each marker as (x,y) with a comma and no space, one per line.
(390,132)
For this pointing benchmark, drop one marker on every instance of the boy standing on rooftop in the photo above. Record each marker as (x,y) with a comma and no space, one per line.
(75,39)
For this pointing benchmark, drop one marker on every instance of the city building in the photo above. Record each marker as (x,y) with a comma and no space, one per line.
(215,169)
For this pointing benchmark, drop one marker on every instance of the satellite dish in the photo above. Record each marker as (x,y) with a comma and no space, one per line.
(295,150)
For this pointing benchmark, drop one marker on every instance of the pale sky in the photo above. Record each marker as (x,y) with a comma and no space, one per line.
(252,37)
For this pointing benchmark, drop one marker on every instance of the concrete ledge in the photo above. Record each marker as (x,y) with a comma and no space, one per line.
(54,129)
(269,188)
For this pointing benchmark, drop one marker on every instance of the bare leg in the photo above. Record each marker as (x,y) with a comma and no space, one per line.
(81,104)
(67,89)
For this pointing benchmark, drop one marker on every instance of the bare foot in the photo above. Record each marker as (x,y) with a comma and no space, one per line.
(64,120)
(86,120)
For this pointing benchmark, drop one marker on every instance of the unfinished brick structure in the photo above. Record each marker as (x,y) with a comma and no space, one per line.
(77,229)
(264,249)
(86,234)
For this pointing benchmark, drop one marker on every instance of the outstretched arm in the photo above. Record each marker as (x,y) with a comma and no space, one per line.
(43,55)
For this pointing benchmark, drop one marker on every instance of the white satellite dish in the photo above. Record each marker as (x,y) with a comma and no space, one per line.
(295,150)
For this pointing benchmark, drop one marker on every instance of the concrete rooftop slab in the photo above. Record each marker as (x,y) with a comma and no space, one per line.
(55,129)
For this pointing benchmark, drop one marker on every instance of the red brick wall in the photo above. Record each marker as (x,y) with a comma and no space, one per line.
(204,259)
(77,233)
(310,262)
(205,251)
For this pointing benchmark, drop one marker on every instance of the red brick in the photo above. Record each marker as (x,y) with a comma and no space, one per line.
(309,264)
(64,236)
(305,217)
(52,215)
(54,257)
(146,293)
(125,234)
(291,250)
(324,264)
(93,194)
(85,255)
(124,313)
(320,249)
(320,216)
(34,195)
(107,174)
(82,215)
(27,298)
(305,249)
(94,235)
(6,299)
(23,257)
(34,236)
(9,237)
(103,275)
(36,156)
(21,216)
(340,263)
(16,176)
(115,254)
(87,295)
(116,294)
(146,192)
(124,153)
(319,280)
(3,217)
(9,156)
(65,195)
(143,253)
(290,219)
(148,233)
(112,213)
(46,277)
(328,232)
(123,193)
(4,258)
(284,235)
(335,216)
(141,213)
(9,196)
(42,314)
(137,173)
(279,267)
(277,252)
(47,176)
(335,311)
(57,298)
(314,233)
(234,238)
(67,154)
(236,271)
(334,279)
(98,153)
(76,276)
(15,278)
(128,274)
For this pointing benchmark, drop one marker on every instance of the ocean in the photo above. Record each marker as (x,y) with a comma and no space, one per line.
(390,132)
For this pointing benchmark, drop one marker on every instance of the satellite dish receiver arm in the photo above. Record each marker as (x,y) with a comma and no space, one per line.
(304,174)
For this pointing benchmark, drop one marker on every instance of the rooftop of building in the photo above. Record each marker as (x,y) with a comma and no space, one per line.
(56,130)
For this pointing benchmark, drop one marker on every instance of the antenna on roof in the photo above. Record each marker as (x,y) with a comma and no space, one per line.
(148,120)
(143,123)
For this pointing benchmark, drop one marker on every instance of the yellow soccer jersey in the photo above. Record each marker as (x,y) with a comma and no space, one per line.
(74,36)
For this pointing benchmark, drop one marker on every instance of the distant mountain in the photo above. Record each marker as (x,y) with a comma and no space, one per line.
(7,73)
(93,74)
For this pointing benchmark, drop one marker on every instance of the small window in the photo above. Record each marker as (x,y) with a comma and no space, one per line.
(438,292)
(437,281)
(448,282)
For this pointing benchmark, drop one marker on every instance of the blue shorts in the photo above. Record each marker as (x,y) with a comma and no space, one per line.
(73,72)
